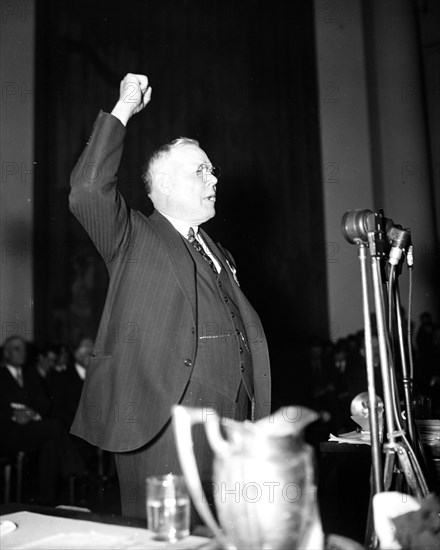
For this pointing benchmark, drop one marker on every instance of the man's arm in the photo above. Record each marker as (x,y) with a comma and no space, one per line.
(94,198)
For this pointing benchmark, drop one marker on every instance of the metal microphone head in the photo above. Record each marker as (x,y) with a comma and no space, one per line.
(356,225)
(399,237)
(400,240)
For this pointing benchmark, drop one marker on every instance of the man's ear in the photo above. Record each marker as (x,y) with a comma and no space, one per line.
(163,183)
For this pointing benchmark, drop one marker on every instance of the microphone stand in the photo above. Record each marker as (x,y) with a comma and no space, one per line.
(397,444)
(365,229)
(376,452)
(379,305)
(406,375)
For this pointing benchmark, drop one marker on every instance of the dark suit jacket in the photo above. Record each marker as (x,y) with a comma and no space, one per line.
(32,394)
(147,340)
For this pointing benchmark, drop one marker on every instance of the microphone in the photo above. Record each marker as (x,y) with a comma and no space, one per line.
(356,224)
(400,240)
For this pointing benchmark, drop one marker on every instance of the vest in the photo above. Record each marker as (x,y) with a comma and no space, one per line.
(223,359)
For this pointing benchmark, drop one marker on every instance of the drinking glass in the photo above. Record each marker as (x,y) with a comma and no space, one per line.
(168,507)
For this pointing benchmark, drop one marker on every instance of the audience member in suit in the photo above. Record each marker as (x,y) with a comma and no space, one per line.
(427,354)
(349,372)
(46,360)
(26,424)
(65,382)
(176,327)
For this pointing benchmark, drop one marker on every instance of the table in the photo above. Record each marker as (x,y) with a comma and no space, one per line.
(55,528)
(344,488)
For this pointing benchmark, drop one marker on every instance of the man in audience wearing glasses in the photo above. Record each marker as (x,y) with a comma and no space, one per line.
(194,337)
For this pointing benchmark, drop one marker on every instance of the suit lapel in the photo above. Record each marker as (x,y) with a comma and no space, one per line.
(224,257)
(181,262)
(12,380)
(184,267)
(221,254)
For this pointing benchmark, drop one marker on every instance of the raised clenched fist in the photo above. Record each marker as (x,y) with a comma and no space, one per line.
(134,95)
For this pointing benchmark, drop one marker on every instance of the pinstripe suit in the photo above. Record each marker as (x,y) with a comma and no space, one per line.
(147,340)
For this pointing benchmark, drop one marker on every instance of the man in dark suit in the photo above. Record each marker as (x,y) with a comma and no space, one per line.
(26,424)
(66,380)
(176,328)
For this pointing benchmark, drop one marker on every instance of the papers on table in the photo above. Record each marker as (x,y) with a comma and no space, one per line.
(355,438)
(429,430)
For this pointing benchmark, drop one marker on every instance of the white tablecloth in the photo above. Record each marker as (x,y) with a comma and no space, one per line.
(49,532)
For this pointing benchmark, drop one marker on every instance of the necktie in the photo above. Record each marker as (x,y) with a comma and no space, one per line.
(19,376)
(192,239)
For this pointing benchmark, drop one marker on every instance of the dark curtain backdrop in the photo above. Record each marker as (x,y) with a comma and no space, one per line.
(237,76)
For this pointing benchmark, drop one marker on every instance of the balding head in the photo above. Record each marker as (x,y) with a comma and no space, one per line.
(155,162)
(182,183)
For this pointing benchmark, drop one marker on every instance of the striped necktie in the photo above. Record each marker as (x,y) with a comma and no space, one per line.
(192,239)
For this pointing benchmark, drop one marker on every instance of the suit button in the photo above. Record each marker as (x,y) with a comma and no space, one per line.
(242,368)
(188,363)
(220,284)
(237,331)
(240,350)
(225,298)
(193,330)
(232,314)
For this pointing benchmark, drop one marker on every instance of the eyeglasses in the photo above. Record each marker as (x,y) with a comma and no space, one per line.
(204,170)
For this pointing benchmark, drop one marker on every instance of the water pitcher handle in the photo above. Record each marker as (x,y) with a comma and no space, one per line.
(183,420)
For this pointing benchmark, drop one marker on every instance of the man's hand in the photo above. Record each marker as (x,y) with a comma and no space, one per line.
(21,414)
(134,95)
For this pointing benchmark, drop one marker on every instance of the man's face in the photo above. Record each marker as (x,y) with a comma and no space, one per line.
(84,352)
(15,352)
(48,361)
(340,360)
(192,190)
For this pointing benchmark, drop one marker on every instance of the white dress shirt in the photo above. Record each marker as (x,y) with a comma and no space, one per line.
(183,228)
(17,373)
(81,371)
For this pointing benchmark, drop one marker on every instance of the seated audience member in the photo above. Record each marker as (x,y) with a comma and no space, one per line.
(47,359)
(311,373)
(26,425)
(357,367)
(427,377)
(64,358)
(427,357)
(67,378)
(83,354)
(313,385)
(338,375)
(65,384)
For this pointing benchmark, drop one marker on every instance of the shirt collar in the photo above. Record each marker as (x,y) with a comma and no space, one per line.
(81,371)
(12,367)
(15,371)
(181,226)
